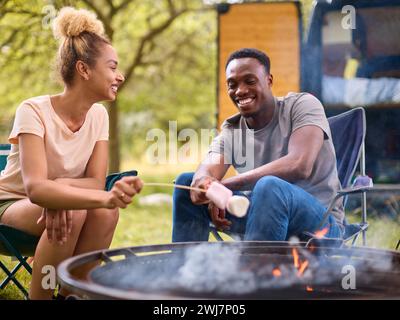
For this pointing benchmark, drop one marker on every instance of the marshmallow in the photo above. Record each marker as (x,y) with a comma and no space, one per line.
(224,199)
(218,194)
(238,205)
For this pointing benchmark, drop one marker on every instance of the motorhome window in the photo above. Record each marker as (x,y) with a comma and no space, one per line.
(361,66)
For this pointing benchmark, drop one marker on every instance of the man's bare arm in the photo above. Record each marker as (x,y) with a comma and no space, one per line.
(304,147)
(211,169)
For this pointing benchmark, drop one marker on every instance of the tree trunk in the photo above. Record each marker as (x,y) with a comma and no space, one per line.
(114,138)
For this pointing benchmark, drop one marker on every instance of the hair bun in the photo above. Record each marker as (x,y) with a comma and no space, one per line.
(71,22)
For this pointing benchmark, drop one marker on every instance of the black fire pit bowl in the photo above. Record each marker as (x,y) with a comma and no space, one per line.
(236,270)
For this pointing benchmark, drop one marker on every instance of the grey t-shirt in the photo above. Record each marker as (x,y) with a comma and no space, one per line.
(247,149)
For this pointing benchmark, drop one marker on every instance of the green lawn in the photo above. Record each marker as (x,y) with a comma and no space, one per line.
(143,225)
(137,226)
(382,233)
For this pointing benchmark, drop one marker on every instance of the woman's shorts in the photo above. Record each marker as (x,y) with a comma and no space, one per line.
(4,204)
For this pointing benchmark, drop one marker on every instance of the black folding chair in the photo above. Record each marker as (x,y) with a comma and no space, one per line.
(348,134)
(13,242)
(21,245)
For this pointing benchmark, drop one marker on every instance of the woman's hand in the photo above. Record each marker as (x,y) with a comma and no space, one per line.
(58,224)
(218,217)
(123,191)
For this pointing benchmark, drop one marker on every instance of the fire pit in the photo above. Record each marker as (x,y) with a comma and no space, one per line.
(237,270)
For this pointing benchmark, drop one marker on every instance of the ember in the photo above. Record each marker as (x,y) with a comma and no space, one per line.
(320,234)
(276,272)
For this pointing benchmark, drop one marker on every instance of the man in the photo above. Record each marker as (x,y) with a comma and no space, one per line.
(291,172)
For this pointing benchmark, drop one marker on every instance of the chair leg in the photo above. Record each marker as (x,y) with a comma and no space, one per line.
(13,272)
(21,263)
(364,237)
(15,253)
(354,239)
(11,277)
(364,229)
(363,196)
(216,235)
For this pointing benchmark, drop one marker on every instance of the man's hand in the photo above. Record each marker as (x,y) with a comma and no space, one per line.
(218,217)
(58,224)
(199,197)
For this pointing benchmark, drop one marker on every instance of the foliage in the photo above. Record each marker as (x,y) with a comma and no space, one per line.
(167,51)
(164,46)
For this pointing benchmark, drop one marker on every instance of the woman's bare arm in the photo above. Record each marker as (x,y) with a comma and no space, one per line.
(50,194)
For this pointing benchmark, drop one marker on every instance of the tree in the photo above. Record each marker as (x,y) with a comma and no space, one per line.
(145,38)
(136,28)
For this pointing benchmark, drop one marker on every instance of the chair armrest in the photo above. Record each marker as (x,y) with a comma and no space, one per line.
(351,190)
(365,184)
(361,184)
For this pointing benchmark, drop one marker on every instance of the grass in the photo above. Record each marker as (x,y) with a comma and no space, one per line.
(383,233)
(145,225)
(138,225)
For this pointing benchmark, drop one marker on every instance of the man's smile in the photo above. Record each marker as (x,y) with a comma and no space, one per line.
(243,102)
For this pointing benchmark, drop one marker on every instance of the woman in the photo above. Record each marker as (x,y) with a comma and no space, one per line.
(53,184)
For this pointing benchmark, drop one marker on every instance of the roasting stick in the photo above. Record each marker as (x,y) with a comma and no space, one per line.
(179,186)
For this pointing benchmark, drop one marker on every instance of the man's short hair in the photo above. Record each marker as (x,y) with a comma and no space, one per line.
(251,53)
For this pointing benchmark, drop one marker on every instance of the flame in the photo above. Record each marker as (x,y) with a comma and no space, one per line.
(309,289)
(303,267)
(295,258)
(300,266)
(321,233)
(276,272)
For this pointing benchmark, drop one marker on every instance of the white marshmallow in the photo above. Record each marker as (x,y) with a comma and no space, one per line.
(238,205)
(219,194)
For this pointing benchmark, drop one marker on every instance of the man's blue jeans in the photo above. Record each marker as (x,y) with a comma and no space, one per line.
(278,210)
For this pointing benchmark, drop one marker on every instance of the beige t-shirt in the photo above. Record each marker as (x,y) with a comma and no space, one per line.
(247,149)
(67,152)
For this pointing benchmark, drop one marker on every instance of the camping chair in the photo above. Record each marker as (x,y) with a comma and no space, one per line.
(13,242)
(21,245)
(348,134)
